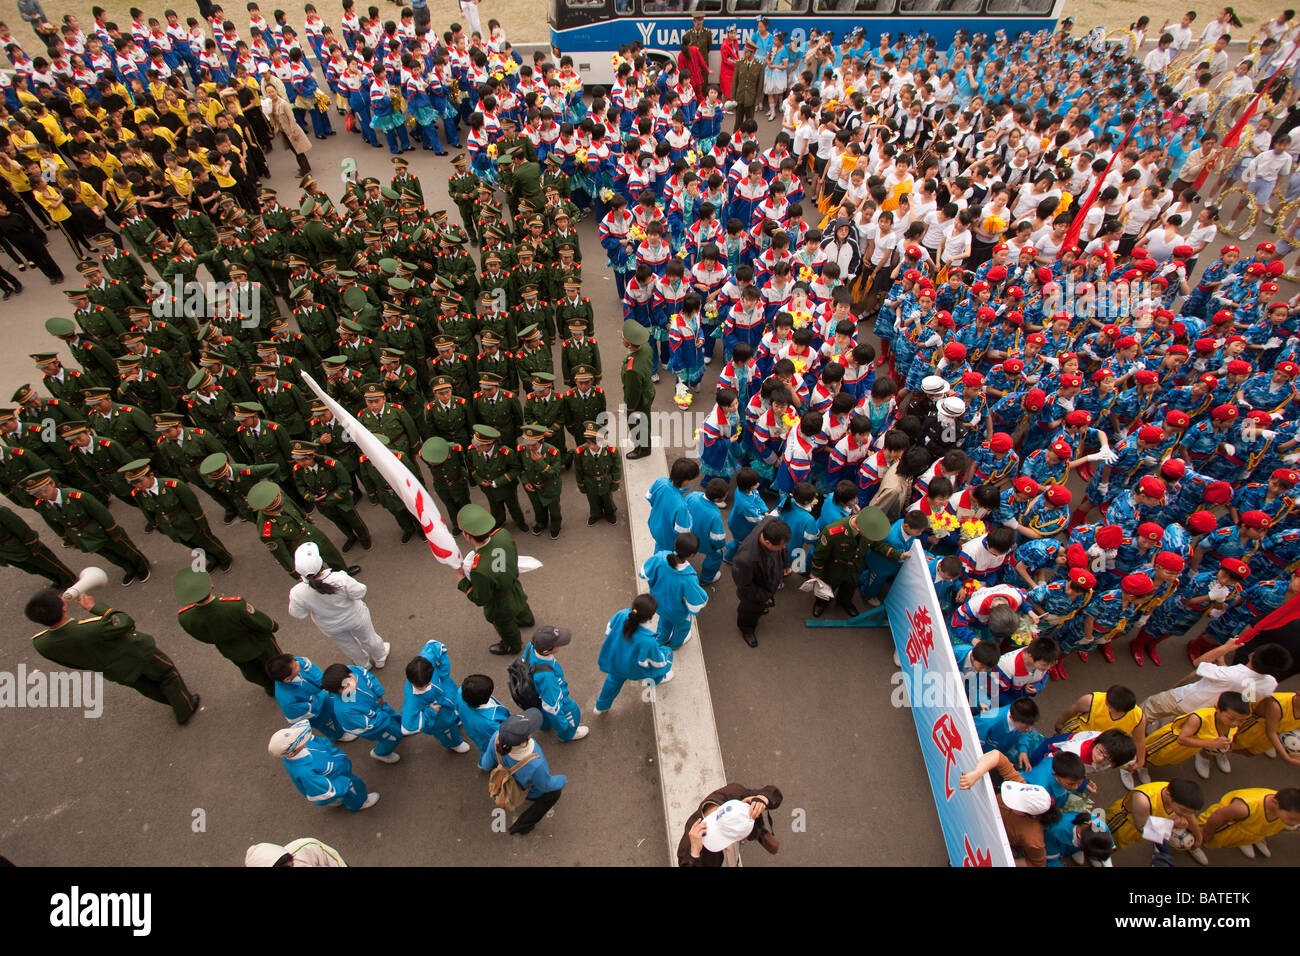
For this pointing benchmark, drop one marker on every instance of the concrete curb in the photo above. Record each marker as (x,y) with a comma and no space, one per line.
(686,733)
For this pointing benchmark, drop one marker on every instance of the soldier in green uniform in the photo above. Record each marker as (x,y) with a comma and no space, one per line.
(401,384)
(341,383)
(407,338)
(571,305)
(554,177)
(458,326)
(492,581)
(97,366)
(449,479)
(583,403)
(314,320)
(562,235)
(210,408)
(545,407)
(181,450)
(83,521)
(841,554)
(493,405)
(284,527)
(110,293)
(293,345)
(385,418)
(638,390)
(21,547)
(108,643)
(144,389)
(242,634)
(541,469)
(329,436)
(494,360)
(195,226)
(131,427)
(563,280)
(265,442)
(358,349)
(382,492)
(492,465)
(94,463)
(533,356)
(40,437)
(326,484)
(173,508)
(579,348)
(448,415)
(233,480)
(65,384)
(99,323)
(16,464)
(599,472)
(462,187)
(284,402)
(285,368)
(747,83)
(135,225)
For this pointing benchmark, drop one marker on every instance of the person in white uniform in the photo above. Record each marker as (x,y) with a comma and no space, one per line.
(335,601)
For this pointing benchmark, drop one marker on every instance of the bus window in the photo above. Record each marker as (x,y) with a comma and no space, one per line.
(623,8)
(663,6)
(704,6)
(1040,7)
(942,6)
(584,4)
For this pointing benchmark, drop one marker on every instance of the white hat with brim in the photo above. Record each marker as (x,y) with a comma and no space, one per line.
(286,741)
(1026,797)
(307,560)
(264,854)
(726,825)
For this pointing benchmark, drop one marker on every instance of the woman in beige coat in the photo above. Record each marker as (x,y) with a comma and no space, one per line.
(282,119)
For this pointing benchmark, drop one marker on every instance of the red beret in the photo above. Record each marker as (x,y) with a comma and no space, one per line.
(1160,281)
(1062,449)
(1184,252)
(1255,519)
(1177,419)
(1026,485)
(1268,287)
(1000,442)
(973,379)
(1112,331)
(1138,585)
(1015,292)
(1152,487)
(1109,536)
(915,252)
(1044,274)
(1201,522)
(1076,556)
(1176,350)
(1013,365)
(980,286)
(1230,247)
(1028,250)
(953,351)
(1256,269)
(1217,493)
(1139,252)
(1150,530)
(1082,578)
(1058,495)
(1236,567)
(1275,268)
(986,312)
(1173,468)
(1266,247)
(924,289)
(1205,346)
(1078,417)
(1224,413)
(1170,561)
(912,275)
(1164,313)
(1069,380)
(1148,265)
(997,273)
(1102,373)
(1208,379)
(1288,475)
(1239,367)
(1223,315)
(1036,338)
(1125,342)
(1260,416)
(1150,435)
(1145,376)
(1014,317)
(1035,399)
(1000,247)
(1060,314)
(1288,368)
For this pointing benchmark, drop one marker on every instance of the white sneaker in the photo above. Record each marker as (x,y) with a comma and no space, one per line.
(708,360)
(655,378)
(896,661)
(379,664)
(580,733)
(1197,854)
(1271,753)
(1222,762)
(689,635)
(667,677)
(1126,778)
(371,799)
(597,710)
(1247,851)
(386,758)
(461,748)
(1202,766)
(1264,851)
(714,580)
(347,738)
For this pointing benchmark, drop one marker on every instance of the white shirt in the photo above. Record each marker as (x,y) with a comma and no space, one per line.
(1268,166)
(340,611)
(1217,679)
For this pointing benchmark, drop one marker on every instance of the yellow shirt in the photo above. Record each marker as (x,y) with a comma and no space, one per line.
(182,182)
(1163,748)
(1252,736)
(12,170)
(51,125)
(1119,817)
(51,201)
(1257,826)
(1098,718)
(24,141)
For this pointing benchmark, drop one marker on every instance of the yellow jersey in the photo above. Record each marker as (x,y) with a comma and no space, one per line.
(1098,718)
(1120,818)
(1252,736)
(1163,748)
(1257,826)
(182,181)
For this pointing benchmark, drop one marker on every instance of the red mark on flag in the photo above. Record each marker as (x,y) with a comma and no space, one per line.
(948,739)
(976,857)
(920,638)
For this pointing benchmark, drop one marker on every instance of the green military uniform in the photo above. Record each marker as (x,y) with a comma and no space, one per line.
(448,478)
(284,527)
(327,484)
(546,408)
(500,410)
(391,420)
(541,470)
(575,351)
(21,547)
(95,465)
(448,415)
(638,390)
(210,407)
(233,480)
(599,472)
(285,402)
(533,356)
(454,365)
(841,553)
(492,581)
(382,493)
(746,85)
(265,443)
(493,466)
(583,403)
(83,521)
(129,426)
(173,508)
(462,187)
(242,634)
(15,465)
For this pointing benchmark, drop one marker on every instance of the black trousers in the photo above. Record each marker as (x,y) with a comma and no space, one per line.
(536,810)
(748,614)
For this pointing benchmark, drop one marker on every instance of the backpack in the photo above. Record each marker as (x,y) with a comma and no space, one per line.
(519,678)
(503,788)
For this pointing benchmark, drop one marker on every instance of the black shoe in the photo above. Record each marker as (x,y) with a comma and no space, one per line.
(229,516)
(592,521)
(148,529)
(500,650)
(555,533)
(523,526)
(850,608)
(538,528)
(612,518)
(356,495)
(143,577)
(639,453)
(308,507)
(354,569)
(225,568)
(406,536)
(750,638)
(349,544)
(192,712)
(520,831)
(128,580)
(367,544)
(819,607)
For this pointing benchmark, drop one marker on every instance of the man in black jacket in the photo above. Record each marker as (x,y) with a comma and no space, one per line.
(28,242)
(758,567)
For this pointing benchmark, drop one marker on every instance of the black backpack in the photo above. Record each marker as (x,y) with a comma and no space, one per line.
(519,678)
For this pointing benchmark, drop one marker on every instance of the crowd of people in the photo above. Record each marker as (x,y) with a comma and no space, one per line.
(968,297)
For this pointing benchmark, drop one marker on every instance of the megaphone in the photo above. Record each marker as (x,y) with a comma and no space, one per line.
(92,579)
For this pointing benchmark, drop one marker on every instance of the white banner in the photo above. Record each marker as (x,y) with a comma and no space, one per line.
(417,499)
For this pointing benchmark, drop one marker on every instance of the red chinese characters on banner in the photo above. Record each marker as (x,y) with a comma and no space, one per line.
(948,739)
(976,857)
(920,637)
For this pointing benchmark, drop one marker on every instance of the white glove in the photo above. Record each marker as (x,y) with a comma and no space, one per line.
(1217,613)
(1273,343)
(1230,449)
(1104,488)
(1218,592)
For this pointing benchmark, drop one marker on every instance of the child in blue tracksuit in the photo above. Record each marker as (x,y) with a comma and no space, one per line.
(669,516)
(798,514)
(676,587)
(839,504)
(1005,729)
(299,693)
(705,508)
(479,712)
(559,711)
(359,706)
(322,773)
(513,744)
(632,651)
(946,572)
(427,708)
(747,510)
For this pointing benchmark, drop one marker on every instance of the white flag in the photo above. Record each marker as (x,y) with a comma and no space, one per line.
(417,499)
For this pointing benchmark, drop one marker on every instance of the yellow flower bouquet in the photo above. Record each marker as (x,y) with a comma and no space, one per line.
(943,524)
(972,529)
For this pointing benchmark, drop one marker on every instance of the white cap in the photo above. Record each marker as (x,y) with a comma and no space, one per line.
(934,385)
(1026,797)
(286,741)
(953,407)
(263,854)
(727,824)
(307,560)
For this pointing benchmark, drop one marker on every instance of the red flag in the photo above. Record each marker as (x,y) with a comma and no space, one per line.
(1286,613)
(1076,227)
